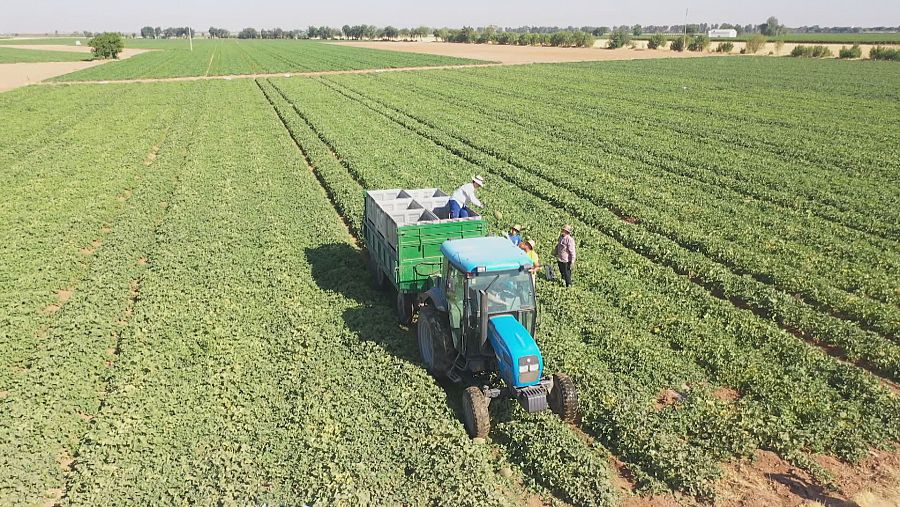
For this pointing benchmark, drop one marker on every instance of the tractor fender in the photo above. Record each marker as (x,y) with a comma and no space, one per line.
(434,297)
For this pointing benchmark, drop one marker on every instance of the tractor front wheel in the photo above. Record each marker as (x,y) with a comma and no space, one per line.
(564,398)
(435,344)
(475,411)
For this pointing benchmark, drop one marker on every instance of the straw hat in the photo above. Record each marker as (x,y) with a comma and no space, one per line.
(478,180)
(567,228)
(517,228)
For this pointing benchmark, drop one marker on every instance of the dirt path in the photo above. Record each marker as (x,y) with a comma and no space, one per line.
(521,54)
(14,75)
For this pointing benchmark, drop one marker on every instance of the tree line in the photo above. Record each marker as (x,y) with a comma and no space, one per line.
(149,32)
(522,35)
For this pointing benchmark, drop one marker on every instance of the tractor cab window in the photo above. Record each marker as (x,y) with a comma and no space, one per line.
(510,291)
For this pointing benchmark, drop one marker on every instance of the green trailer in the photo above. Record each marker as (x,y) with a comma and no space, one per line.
(404,231)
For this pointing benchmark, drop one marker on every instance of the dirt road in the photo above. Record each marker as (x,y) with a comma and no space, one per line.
(521,54)
(14,75)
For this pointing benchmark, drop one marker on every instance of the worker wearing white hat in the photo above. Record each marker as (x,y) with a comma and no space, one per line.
(463,196)
(515,234)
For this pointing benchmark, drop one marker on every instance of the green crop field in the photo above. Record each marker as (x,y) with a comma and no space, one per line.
(15,55)
(187,316)
(234,56)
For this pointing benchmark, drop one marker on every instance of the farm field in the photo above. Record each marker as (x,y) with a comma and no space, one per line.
(14,55)
(233,57)
(168,298)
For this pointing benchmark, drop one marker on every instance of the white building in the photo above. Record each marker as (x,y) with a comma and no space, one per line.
(722,34)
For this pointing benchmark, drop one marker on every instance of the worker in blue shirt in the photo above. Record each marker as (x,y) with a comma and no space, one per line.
(515,234)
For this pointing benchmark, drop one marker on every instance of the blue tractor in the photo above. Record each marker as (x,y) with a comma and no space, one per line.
(478,319)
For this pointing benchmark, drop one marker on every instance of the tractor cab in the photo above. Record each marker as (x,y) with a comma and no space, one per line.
(482,279)
(480,317)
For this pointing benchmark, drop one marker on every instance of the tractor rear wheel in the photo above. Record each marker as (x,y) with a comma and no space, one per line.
(435,344)
(406,308)
(564,397)
(475,411)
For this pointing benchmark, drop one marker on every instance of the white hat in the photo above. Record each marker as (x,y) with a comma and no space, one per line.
(478,180)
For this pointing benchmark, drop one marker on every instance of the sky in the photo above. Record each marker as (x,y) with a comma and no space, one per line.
(45,16)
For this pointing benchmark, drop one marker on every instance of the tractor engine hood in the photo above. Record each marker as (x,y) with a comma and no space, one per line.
(518,355)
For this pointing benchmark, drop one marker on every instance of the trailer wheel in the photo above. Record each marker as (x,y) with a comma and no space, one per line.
(564,397)
(378,279)
(434,343)
(475,411)
(406,308)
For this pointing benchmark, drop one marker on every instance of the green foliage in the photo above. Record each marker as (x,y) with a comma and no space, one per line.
(107,45)
(618,39)
(811,52)
(755,44)
(725,47)
(657,41)
(15,55)
(718,254)
(884,53)
(852,52)
(678,43)
(699,43)
(222,57)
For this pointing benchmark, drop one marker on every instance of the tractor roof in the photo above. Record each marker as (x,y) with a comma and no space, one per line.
(491,254)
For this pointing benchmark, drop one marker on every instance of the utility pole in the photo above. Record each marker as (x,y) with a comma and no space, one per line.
(684,39)
(191,38)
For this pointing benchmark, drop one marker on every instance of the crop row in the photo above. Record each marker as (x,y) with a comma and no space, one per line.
(60,359)
(232,57)
(784,308)
(735,133)
(658,456)
(709,228)
(335,175)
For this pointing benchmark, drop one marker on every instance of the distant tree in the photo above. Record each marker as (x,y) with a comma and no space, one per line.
(346,30)
(404,33)
(678,43)
(422,31)
(147,32)
(312,32)
(618,39)
(107,45)
(442,34)
(486,35)
(693,28)
(562,39)
(390,32)
(466,35)
(583,39)
(657,41)
(637,30)
(248,33)
(699,43)
(756,43)
(601,31)
(157,32)
(218,33)
(771,28)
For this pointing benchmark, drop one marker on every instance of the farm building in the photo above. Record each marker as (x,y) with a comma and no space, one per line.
(731,33)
